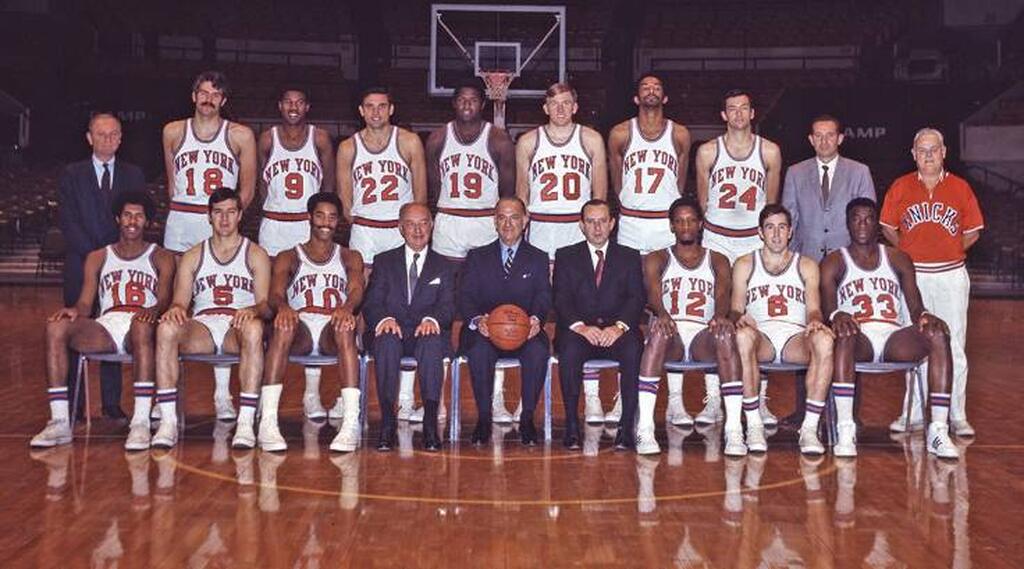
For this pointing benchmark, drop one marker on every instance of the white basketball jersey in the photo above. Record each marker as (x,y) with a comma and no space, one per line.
(469,175)
(650,171)
(381,181)
(736,189)
(201,167)
(559,174)
(291,176)
(871,295)
(127,284)
(318,287)
(688,294)
(779,297)
(223,287)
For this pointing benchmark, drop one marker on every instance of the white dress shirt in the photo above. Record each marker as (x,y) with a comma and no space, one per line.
(831,169)
(97,166)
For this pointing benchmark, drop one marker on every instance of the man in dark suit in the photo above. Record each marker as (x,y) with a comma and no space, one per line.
(507,271)
(599,299)
(409,308)
(86,192)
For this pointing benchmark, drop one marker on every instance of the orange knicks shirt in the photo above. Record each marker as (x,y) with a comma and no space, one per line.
(931,227)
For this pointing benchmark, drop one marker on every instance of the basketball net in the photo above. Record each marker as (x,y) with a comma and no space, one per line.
(497,83)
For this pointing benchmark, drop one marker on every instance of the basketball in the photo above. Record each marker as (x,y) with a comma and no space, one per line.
(509,326)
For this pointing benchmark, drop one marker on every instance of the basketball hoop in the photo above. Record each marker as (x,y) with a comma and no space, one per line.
(497,82)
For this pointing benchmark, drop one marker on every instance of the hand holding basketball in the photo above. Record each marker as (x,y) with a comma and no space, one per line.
(508,326)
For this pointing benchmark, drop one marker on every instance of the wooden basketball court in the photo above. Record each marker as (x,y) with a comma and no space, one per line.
(91,504)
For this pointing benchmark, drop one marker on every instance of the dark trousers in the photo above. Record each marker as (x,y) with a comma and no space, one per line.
(429,351)
(574,350)
(533,359)
(110,373)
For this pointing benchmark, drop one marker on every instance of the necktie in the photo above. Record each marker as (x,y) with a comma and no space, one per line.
(508,261)
(824,184)
(105,180)
(413,275)
(599,270)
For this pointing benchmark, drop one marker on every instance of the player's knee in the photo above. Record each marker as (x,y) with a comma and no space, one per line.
(345,340)
(57,331)
(168,332)
(141,333)
(936,336)
(821,343)
(746,339)
(282,337)
(252,333)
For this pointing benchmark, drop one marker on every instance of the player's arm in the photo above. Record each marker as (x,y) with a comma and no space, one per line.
(283,269)
(177,312)
(173,135)
(889,218)
(90,284)
(741,272)
(410,147)
(681,140)
(164,262)
(654,267)
(259,261)
(435,143)
(832,269)
(617,140)
(723,285)
(343,175)
(325,151)
(244,145)
(503,153)
(773,170)
(524,154)
(593,145)
(706,155)
(263,149)
(343,319)
(812,282)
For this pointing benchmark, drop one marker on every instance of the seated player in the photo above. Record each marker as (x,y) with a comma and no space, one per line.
(775,303)
(224,280)
(688,290)
(133,279)
(867,288)
(316,288)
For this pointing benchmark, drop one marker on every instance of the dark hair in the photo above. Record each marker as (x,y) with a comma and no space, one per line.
(596,202)
(774,209)
(861,202)
(323,197)
(96,115)
(686,201)
(640,80)
(827,118)
(134,197)
(224,194)
(737,93)
(216,78)
(473,84)
(375,90)
(295,89)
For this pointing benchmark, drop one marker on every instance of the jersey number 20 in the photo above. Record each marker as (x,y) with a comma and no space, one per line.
(549,186)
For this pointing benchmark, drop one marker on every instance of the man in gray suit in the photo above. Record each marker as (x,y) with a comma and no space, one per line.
(817,190)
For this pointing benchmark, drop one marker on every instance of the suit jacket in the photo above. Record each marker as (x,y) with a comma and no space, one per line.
(387,293)
(620,298)
(484,285)
(85,217)
(820,228)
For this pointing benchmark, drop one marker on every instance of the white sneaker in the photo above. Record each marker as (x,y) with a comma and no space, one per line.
(245,437)
(767,417)
(900,425)
(337,412)
(312,407)
(675,412)
(138,437)
(712,411)
(615,414)
(592,412)
(499,414)
(56,432)
(939,442)
(846,445)
(225,409)
(734,443)
(646,443)
(347,439)
(756,441)
(518,412)
(270,438)
(961,428)
(166,435)
(406,407)
(810,443)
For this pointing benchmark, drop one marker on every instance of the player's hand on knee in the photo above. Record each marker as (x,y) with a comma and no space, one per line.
(389,326)
(929,323)
(817,326)
(287,318)
(70,313)
(746,321)
(663,325)
(721,327)
(147,316)
(343,320)
(844,326)
(427,328)
(175,315)
(242,315)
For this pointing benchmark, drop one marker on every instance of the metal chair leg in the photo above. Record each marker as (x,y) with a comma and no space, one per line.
(547,401)
(454,415)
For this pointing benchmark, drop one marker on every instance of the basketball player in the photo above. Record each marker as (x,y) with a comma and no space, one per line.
(201,154)
(776,308)
(688,290)
(738,173)
(298,162)
(317,288)
(652,154)
(867,288)
(225,280)
(380,168)
(133,279)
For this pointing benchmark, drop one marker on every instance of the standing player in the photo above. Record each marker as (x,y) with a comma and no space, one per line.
(225,280)
(738,174)
(933,216)
(133,279)
(688,288)
(298,161)
(867,287)
(380,168)
(201,154)
(649,157)
(317,288)
(776,307)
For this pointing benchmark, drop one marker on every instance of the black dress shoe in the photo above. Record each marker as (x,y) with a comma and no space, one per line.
(528,433)
(572,436)
(388,436)
(482,433)
(431,442)
(624,440)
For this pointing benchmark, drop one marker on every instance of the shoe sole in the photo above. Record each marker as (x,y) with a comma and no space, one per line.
(736,453)
(648,452)
(812,451)
(914,428)
(757,448)
(317,415)
(844,454)
(594,419)
(682,422)
(705,421)
(276,447)
(137,446)
(162,445)
(55,443)
(242,446)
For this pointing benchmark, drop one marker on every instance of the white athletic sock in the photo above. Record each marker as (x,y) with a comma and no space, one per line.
(144,391)
(271,396)
(406,383)
(844,393)
(732,394)
(58,403)
(711,388)
(675,384)
(812,414)
(940,407)
(247,404)
(312,381)
(764,387)
(752,410)
(648,388)
(591,382)
(167,400)
(221,382)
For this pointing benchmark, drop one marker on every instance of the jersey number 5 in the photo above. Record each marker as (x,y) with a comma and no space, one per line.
(389,193)
(777,306)
(223,295)
(728,198)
